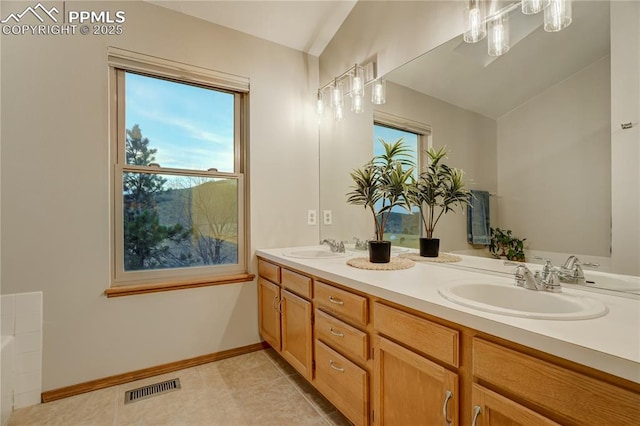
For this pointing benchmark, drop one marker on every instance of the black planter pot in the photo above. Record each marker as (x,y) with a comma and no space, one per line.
(429,247)
(379,251)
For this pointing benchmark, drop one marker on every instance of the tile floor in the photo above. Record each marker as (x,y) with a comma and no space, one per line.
(258,388)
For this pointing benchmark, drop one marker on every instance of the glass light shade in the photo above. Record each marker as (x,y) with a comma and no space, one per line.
(320,103)
(557,15)
(475,26)
(499,35)
(338,113)
(378,92)
(336,94)
(357,81)
(357,104)
(531,7)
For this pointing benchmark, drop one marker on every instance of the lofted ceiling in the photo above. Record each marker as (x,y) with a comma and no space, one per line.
(305,25)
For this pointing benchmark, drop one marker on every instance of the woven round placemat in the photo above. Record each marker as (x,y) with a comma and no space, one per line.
(442,258)
(395,264)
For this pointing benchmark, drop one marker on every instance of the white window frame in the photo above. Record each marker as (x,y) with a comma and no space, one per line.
(422,130)
(120,61)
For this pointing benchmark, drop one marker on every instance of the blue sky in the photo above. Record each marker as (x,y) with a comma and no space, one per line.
(191,127)
(391,135)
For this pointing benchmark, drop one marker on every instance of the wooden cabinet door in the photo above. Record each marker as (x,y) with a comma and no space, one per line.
(297,338)
(269,312)
(411,390)
(492,409)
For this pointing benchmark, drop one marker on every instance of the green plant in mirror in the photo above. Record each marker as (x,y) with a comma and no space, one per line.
(381,184)
(504,244)
(439,189)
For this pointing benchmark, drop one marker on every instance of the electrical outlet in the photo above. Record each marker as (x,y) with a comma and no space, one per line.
(327,218)
(311,217)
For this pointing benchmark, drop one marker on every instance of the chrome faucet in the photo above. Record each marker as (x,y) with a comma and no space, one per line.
(334,246)
(538,281)
(571,272)
(361,244)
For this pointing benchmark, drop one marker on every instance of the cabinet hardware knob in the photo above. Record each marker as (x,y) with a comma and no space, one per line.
(476,413)
(445,412)
(336,333)
(336,301)
(333,365)
(275,298)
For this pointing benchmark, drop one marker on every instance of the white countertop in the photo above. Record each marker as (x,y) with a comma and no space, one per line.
(610,343)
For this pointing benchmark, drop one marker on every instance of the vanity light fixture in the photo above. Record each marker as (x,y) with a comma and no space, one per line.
(499,35)
(475,23)
(557,16)
(379,92)
(531,7)
(320,103)
(351,84)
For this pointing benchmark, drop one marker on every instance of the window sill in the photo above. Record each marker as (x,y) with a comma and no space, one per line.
(131,290)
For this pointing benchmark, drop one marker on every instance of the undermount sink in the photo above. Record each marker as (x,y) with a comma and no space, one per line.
(519,302)
(314,253)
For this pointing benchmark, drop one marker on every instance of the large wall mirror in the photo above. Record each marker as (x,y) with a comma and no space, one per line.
(532,127)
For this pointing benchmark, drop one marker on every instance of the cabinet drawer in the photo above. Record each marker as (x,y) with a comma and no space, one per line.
(269,271)
(343,303)
(578,398)
(297,283)
(341,336)
(432,339)
(345,384)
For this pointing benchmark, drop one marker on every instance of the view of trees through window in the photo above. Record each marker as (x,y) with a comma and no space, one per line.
(403,227)
(175,213)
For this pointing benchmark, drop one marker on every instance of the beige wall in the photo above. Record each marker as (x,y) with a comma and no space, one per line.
(554,170)
(55,189)
(394,32)
(625,147)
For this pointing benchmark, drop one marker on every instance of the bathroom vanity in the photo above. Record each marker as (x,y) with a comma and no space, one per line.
(386,348)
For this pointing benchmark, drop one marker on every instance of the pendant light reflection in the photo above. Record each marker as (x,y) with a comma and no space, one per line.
(475,24)
(379,92)
(320,103)
(557,15)
(531,7)
(357,89)
(499,35)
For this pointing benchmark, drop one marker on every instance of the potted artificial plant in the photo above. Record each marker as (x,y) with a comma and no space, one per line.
(503,244)
(439,189)
(380,185)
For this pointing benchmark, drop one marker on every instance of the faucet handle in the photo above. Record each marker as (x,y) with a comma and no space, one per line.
(552,283)
(519,272)
(547,269)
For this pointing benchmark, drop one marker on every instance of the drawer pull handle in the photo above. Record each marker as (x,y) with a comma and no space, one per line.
(333,365)
(336,333)
(445,412)
(476,413)
(336,301)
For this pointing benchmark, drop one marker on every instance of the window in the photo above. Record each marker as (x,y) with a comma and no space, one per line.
(178,176)
(403,228)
